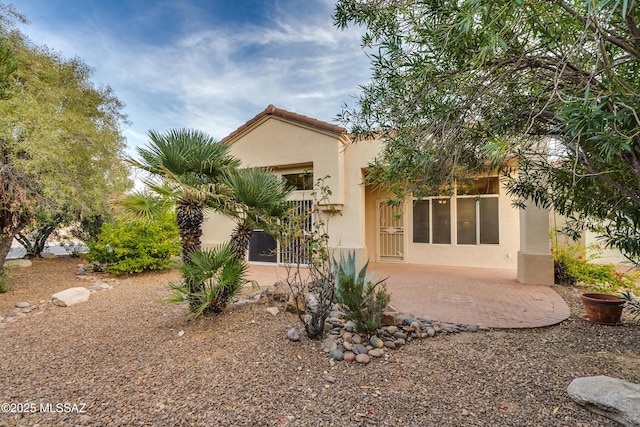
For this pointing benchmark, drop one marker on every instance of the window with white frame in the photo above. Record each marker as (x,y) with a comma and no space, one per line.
(472,215)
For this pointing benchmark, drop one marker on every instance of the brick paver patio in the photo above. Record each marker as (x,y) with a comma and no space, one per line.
(470,296)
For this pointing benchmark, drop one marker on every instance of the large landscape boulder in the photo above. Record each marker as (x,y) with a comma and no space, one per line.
(22,262)
(614,398)
(70,296)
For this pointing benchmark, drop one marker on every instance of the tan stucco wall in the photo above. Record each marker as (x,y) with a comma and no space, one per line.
(349,229)
(285,146)
(215,229)
(277,143)
(594,248)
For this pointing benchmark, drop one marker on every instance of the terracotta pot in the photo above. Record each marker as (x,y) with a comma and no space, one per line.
(602,309)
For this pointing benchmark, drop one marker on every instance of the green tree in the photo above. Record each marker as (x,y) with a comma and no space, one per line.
(18,197)
(196,173)
(191,170)
(462,86)
(17,187)
(62,132)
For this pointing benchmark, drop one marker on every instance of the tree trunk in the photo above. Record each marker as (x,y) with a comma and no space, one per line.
(5,247)
(36,245)
(240,239)
(190,217)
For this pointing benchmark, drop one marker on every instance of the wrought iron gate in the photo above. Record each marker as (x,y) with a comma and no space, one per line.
(390,232)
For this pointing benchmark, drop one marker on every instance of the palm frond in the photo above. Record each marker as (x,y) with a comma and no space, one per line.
(140,206)
(212,278)
(185,152)
(257,188)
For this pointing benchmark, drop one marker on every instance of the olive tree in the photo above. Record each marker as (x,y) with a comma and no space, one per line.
(62,139)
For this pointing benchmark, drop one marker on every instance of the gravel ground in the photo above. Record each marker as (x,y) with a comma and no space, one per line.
(121,360)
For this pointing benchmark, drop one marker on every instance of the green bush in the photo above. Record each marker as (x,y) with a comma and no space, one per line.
(136,246)
(211,279)
(357,294)
(571,267)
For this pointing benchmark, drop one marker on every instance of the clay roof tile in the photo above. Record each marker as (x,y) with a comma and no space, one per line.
(288,115)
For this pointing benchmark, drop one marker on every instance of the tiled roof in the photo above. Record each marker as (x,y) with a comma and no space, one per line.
(271,110)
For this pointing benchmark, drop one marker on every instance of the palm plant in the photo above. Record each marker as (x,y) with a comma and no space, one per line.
(190,170)
(189,164)
(258,199)
(212,278)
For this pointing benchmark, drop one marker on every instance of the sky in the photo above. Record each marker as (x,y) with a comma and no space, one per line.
(209,65)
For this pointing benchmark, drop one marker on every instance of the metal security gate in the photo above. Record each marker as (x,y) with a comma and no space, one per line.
(297,251)
(390,232)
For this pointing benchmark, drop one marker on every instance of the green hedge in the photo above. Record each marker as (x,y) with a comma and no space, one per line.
(134,247)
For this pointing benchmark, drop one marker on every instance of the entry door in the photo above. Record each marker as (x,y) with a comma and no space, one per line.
(390,232)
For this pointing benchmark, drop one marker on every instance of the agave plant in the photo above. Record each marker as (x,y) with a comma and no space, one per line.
(212,279)
(632,304)
(357,293)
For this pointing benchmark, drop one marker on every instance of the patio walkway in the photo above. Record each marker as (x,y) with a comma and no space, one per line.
(470,296)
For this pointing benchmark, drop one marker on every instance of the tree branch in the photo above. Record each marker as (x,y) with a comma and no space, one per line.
(615,40)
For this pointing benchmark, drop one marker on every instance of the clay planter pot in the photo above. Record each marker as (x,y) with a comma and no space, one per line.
(602,309)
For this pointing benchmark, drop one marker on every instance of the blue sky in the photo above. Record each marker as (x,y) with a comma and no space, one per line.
(209,65)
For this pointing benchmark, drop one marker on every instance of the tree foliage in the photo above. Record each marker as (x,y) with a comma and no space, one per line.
(60,130)
(190,170)
(462,86)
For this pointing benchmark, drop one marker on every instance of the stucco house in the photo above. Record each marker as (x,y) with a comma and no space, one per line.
(477,227)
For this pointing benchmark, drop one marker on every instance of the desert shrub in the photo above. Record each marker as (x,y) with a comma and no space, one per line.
(136,246)
(363,303)
(309,265)
(571,267)
(211,279)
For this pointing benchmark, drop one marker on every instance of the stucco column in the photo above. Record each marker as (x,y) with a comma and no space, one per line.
(535,262)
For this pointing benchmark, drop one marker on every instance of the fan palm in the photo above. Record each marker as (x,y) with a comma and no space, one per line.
(259,198)
(189,164)
(218,276)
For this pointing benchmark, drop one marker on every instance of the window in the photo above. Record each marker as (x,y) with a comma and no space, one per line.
(421,221)
(441,220)
(300,181)
(489,224)
(466,221)
(477,220)
(478,186)
(475,213)
(432,221)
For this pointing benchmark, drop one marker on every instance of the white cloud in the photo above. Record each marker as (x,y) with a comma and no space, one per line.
(218,78)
